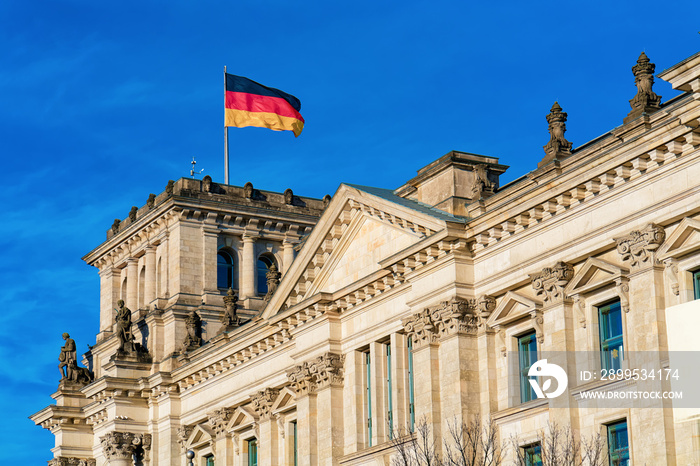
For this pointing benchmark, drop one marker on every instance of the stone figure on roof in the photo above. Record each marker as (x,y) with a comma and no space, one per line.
(124,334)
(67,357)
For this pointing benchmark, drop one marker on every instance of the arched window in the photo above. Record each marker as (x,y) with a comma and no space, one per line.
(264,262)
(225,270)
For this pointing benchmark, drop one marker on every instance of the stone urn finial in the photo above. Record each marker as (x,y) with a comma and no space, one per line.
(558,147)
(646,101)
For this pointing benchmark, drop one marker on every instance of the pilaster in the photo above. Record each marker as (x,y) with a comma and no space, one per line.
(287,255)
(132,283)
(150,285)
(209,262)
(247,284)
(223,447)
(269,430)
(109,295)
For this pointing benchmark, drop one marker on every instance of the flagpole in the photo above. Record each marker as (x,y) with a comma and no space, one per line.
(225,134)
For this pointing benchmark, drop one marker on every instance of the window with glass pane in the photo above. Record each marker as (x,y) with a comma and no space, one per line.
(209,460)
(611,344)
(368,398)
(411,401)
(264,263)
(224,270)
(389,396)
(252,452)
(696,284)
(532,454)
(527,356)
(618,444)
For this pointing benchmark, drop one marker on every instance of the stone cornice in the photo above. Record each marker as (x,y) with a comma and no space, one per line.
(616,160)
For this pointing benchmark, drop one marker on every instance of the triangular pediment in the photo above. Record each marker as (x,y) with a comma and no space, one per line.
(512,307)
(201,435)
(284,401)
(684,240)
(357,231)
(594,273)
(241,418)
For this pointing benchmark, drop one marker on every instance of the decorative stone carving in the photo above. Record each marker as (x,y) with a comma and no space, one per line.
(483,186)
(273,280)
(71,461)
(151,201)
(218,420)
(193,323)
(125,445)
(169,187)
(262,402)
(646,101)
(486,305)
(132,213)
(671,266)
(551,281)
(288,196)
(326,200)
(537,322)
(248,190)
(183,434)
(321,372)
(230,319)
(421,328)
(638,247)
(206,184)
(115,226)
(456,316)
(623,291)
(280,424)
(580,306)
(558,147)
(327,370)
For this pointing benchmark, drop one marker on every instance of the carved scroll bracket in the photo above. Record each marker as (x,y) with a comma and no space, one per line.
(671,267)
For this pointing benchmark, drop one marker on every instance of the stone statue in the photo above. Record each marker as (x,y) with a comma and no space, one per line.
(115,226)
(123,319)
(206,184)
(169,187)
(67,357)
(151,200)
(273,280)
(230,318)
(483,187)
(248,190)
(132,213)
(288,196)
(326,200)
(193,323)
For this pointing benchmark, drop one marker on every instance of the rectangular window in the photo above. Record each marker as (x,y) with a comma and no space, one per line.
(532,455)
(411,401)
(253,452)
(209,460)
(527,356)
(611,344)
(368,397)
(296,445)
(618,444)
(389,396)
(696,284)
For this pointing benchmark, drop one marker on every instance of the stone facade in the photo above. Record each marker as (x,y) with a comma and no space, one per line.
(400,305)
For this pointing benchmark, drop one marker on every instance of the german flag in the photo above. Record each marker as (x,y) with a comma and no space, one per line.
(251,104)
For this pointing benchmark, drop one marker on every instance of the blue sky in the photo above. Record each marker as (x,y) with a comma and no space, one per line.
(101,103)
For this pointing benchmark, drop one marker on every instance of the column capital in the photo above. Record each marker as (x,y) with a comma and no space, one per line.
(321,372)
(248,238)
(218,420)
(124,445)
(262,402)
(150,249)
(551,281)
(71,461)
(639,246)
(421,328)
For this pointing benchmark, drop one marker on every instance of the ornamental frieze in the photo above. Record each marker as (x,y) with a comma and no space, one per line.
(639,246)
(456,316)
(71,461)
(124,445)
(421,328)
(262,402)
(183,434)
(551,281)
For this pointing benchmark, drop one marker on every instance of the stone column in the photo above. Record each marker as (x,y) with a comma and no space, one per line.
(150,285)
(209,261)
(218,420)
(120,447)
(287,256)
(132,283)
(426,362)
(268,453)
(248,265)
(165,269)
(642,300)
(329,388)
(457,323)
(109,295)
